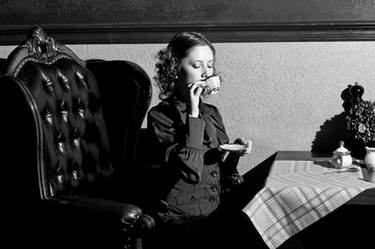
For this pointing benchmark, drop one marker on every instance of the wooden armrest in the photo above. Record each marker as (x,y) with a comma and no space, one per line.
(114,208)
(130,215)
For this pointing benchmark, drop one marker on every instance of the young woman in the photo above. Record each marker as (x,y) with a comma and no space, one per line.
(198,207)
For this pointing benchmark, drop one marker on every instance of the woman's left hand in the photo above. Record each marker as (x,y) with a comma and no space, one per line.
(245,142)
(195,92)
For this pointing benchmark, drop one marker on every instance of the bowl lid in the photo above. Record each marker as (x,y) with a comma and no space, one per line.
(341,150)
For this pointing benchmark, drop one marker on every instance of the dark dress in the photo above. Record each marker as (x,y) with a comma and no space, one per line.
(199,205)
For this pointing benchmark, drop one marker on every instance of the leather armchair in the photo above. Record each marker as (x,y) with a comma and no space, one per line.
(68,136)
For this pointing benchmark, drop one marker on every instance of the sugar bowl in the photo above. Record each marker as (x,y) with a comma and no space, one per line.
(341,157)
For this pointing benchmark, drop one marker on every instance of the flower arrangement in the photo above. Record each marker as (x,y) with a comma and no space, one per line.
(361,121)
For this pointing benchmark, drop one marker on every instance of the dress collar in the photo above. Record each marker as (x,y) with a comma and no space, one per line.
(211,128)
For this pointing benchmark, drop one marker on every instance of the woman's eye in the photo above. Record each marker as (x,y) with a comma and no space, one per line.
(196,66)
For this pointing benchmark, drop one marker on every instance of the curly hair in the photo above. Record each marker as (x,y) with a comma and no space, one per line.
(170,57)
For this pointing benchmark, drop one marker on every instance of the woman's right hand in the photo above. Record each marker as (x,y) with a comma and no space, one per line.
(247,143)
(195,92)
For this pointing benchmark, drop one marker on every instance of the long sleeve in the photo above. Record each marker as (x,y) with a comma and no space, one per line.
(181,143)
(229,164)
(229,173)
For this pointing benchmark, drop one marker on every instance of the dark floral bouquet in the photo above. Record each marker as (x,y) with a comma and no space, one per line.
(361,121)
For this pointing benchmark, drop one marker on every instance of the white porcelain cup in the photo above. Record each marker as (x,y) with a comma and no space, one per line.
(211,85)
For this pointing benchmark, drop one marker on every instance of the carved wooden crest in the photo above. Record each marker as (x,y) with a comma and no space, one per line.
(41,46)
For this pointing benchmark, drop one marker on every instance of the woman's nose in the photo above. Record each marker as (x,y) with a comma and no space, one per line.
(204,72)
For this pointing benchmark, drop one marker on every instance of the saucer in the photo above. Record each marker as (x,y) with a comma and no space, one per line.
(233,147)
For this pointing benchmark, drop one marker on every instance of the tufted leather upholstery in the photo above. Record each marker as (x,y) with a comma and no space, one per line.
(68,134)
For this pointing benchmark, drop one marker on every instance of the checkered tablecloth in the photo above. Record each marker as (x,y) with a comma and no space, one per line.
(298,193)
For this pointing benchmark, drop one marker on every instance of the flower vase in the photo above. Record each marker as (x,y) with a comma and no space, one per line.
(369,159)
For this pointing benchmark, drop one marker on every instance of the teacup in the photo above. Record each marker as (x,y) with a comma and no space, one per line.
(211,85)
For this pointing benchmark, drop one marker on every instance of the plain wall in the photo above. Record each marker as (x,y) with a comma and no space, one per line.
(282,96)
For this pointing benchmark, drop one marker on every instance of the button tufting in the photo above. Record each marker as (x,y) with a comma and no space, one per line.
(64,116)
(82,80)
(64,111)
(81,113)
(64,82)
(61,147)
(79,107)
(48,116)
(59,178)
(75,174)
(76,142)
(48,85)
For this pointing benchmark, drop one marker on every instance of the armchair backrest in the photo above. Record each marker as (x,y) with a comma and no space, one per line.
(75,121)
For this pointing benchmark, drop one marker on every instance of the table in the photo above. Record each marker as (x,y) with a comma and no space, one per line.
(301,189)
(367,197)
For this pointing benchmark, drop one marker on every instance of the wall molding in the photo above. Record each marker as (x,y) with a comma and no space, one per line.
(135,34)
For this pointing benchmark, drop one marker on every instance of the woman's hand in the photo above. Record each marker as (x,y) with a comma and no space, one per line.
(245,142)
(195,92)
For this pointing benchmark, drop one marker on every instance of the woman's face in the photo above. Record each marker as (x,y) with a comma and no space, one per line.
(197,65)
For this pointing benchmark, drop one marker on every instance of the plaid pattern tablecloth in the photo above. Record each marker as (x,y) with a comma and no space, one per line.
(298,193)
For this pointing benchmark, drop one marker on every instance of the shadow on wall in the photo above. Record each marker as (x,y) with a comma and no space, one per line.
(333,130)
